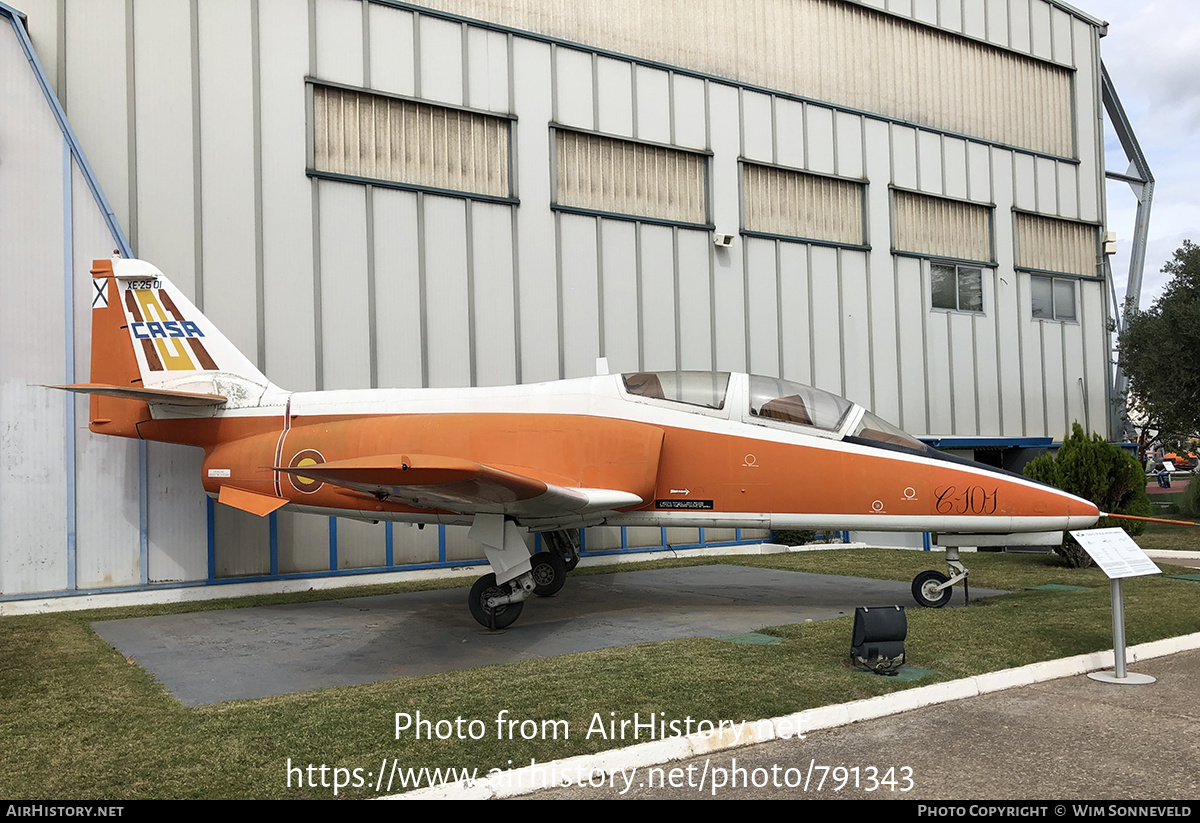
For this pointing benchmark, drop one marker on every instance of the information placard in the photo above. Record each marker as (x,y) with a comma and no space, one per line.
(1115,553)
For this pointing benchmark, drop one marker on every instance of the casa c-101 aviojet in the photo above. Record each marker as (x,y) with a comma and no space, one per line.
(707,449)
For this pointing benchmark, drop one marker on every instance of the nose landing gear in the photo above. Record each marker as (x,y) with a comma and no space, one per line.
(933,590)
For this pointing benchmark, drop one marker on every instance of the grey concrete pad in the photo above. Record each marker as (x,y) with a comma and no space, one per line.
(210,657)
(1067,739)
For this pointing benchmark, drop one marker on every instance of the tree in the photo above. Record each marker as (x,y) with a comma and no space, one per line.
(1096,470)
(1160,349)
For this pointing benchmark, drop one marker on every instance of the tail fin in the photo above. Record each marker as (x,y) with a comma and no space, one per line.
(151,345)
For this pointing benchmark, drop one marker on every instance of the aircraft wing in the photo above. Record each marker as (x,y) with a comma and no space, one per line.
(464,486)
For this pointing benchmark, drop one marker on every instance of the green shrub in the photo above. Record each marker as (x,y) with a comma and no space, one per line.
(1096,470)
(1189,501)
(793,537)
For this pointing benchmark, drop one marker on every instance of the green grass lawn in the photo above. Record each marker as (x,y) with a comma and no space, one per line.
(79,721)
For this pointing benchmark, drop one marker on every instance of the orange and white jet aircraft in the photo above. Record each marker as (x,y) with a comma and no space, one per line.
(715,449)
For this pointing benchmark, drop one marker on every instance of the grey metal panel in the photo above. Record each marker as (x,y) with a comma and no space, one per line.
(392,66)
(1033,357)
(904,157)
(303,542)
(762,306)
(1024,191)
(941,228)
(912,302)
(857,337)
(728,277)
(177,511)
(447,309)
(495,322)
(580,294)
(360,545)
(1092,301)
(987,384)
(656,248)
(411,544)
(619,265)
(1018,24)
(818,139)
(538,291)
(757,143)
(939,364)
(695,301)
(881,278)
(1040,45)
(827,319)
(789,133)
(849,158)
(979,173)
(926,11)
(1087,119)
(345,343)
(227,148)
(954,160)
(997,22)
(289,333)
(1068,189)
(163,83)
(458,547)
(340,41)
(1012,305)
(573,105)
(398,291)
(963,375)
(653,99)
(949,14)
(1060,34)
(1053,378)
(974,18)
(687,97)
(795,204)
(683,537)
(242,543)
(796,321)
(929,162)
(1046,185)
(487,65)
(441,68)
(97,84)
(614,96)
(1073,363)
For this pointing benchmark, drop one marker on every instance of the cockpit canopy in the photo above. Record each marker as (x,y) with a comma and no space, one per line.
(773,401)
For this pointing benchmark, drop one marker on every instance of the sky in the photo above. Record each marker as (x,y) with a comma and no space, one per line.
(1152,52)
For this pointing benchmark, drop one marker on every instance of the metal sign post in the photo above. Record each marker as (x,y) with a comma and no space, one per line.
(1118,557)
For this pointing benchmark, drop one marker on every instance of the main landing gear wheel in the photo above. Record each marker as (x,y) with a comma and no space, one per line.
(924,589)
(501,617)
(549,573)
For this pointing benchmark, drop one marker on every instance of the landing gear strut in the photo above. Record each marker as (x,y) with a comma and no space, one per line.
(932,589)
(496,599)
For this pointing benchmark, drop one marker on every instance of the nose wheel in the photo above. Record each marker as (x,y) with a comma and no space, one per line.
(933,590)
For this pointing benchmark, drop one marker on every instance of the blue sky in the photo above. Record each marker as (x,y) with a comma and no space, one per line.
(1152,52)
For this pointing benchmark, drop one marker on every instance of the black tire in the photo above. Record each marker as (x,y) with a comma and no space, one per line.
(549,573)
(922,590)
(499,618)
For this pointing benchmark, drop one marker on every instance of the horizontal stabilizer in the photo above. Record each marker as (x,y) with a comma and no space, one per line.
(167,396)
(253,502)
(459,485)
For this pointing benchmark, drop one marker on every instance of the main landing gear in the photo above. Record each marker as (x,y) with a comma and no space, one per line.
(496,599)
(933,589)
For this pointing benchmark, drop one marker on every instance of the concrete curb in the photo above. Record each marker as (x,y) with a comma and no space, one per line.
(532,778)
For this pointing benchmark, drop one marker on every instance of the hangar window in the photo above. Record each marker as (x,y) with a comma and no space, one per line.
(596,174)
(940,227)
(958,288)
(778,202)
(1053,298)
(386,140)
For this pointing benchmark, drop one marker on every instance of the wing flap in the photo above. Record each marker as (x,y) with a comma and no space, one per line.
(460,485)
(253,502)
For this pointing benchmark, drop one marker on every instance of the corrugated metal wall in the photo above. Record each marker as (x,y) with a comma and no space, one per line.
(936,226)
(1047,244)
(803,206)
(197,119)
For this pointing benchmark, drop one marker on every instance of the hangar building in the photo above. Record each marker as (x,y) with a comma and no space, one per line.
(900,201)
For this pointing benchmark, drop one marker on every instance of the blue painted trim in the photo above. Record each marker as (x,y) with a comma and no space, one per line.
(988,442)
(663,536)
(845,537)
(624,538)
(702,543)
(388,543)
(211,524)
(273,540)
(927,541)
(69,349)
(537,542)
(333,563)
(737,535)
(441,544)
(582,541)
